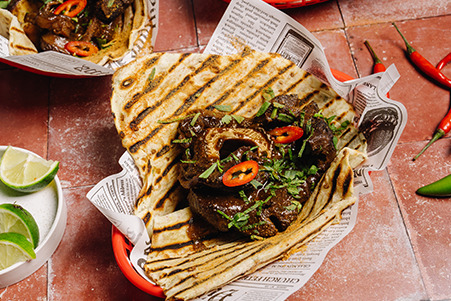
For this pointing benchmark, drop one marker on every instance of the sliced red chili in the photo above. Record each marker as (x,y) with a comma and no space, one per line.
(71,8)
(286,134)
(81,48)
(240,174)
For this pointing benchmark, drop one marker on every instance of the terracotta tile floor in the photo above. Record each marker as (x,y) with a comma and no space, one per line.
(400,248)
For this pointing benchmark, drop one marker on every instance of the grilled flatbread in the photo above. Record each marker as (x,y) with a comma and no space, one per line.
(151,93)
(10,28)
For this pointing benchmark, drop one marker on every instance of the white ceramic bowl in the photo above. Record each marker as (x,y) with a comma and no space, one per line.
(49,210)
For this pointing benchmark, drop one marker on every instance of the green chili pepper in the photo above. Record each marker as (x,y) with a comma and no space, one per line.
(440,188)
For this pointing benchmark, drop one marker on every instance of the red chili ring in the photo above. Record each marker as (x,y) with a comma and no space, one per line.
(286,134)
(71,8)
(240,174)
(81,48)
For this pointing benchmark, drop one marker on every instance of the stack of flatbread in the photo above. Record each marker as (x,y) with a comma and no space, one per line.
(168,86)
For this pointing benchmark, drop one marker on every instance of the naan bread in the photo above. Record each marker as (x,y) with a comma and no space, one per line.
(10,28)
(150,92)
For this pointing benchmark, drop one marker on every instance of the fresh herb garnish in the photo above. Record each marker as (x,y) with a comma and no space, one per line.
(193,121)
(188,162)
(209,171)
(223,108)
(263,108)
(184,140)
(268,94)
(240,219)
(285,118)
(243,196)
(295,205)
(256,184)
(278,105)
(4,4)
(238,118)
(336,130)
(226,119)
(151,75)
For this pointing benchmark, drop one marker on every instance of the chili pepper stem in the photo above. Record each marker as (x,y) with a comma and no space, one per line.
(410,49)
(373,54)
(439,133)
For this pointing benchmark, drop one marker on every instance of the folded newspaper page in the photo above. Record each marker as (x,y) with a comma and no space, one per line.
(382,120)
(57,64)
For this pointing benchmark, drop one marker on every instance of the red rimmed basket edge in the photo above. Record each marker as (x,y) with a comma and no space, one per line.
(122,247)
(283,4)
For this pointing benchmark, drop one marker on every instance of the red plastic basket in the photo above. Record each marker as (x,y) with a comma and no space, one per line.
(282,4)
(122,246)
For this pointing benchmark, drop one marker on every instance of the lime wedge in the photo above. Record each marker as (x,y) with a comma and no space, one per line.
(14,248)
(14,218)
(26,172)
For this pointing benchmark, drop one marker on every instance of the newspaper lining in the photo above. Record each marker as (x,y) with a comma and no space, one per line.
(267,29)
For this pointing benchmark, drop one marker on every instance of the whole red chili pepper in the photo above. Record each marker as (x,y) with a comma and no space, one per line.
(443,128)
(424,65)
(378,65)
(445,124)
(444,61)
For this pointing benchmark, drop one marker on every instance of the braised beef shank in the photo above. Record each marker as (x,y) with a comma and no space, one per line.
(210,140)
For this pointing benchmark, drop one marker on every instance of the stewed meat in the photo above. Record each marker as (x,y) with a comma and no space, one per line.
(270,201)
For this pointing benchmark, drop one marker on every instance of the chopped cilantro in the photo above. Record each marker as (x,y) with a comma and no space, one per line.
(278,105)
(295,205)
(151,75)
(188,162)
(226,119)
(238,118)
(263,109)
(274,113)
(193,121)
(240,219)
(209,171)
(313,170)
(4,4)
(185,140)
(223,108)
(285,118)
(268,94)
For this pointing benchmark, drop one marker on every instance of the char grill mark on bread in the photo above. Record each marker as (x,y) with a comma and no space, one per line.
(187,101)
(135,122)
(183,277)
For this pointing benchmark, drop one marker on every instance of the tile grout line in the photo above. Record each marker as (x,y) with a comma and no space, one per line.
(407,233)
(195,23)
(49,96)
(345,30)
